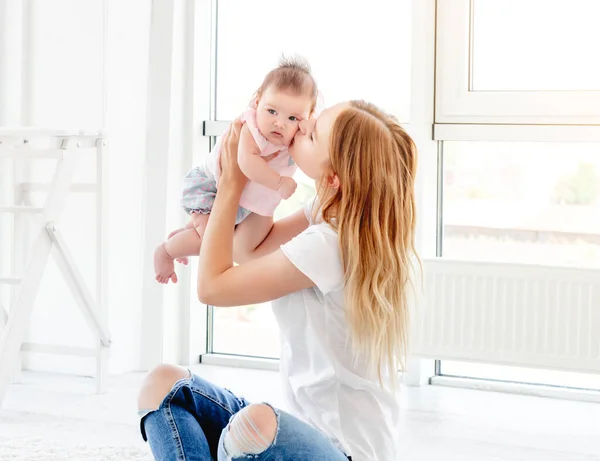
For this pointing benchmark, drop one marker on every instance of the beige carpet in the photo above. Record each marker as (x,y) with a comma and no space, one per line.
(32,437)
(41,449)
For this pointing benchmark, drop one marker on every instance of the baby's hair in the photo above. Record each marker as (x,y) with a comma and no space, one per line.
(292,74)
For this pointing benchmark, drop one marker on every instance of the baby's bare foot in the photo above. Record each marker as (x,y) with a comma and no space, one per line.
(164,266)
(183,260)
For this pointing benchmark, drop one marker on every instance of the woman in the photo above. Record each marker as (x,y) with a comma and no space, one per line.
(338,274)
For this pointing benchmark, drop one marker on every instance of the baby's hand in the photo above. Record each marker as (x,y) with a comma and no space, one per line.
(286,187)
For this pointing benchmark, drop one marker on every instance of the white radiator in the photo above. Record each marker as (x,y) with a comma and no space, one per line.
(509,314)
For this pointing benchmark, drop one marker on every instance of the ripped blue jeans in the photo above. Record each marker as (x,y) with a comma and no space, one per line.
(194,418)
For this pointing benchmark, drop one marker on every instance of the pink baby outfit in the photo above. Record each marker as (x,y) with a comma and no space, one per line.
(255,197)
(200,184)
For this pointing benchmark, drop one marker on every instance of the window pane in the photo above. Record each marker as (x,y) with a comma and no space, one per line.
(249,330)
(252,330)
(356,49)
(521,375)
(536,45)
(522,202)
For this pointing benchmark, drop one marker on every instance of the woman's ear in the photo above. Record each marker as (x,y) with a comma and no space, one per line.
(255,103)
(333,181)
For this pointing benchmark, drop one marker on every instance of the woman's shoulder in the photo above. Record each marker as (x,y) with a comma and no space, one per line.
(324,229)
(318,242)
(316,253)
(312,211)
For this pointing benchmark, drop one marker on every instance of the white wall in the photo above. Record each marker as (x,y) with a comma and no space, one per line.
(88,65)
(126,95)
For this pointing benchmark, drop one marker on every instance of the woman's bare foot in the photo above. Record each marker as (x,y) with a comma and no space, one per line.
(164,265)
(183,260)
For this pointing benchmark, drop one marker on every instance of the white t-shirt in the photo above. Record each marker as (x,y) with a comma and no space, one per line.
(323,383)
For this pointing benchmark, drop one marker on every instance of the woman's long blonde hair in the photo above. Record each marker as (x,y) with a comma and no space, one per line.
(374,213)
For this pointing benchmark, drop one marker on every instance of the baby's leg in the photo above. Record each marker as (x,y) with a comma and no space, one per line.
(249,234)
(189,225)
(181,244)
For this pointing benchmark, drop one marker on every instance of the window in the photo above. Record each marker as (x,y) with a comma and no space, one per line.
(251,38)
(545,46)
(252,330)
(340,48)
(521,202)
(517,113)
(535,203)
(520,375)
(493,66)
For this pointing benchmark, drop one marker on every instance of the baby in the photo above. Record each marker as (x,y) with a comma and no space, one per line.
(287,95)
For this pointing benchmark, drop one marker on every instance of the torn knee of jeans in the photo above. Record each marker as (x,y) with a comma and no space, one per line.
(145,411)
(251,431)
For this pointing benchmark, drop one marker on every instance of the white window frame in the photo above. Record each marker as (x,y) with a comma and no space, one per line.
(456,102)
(516,133)
(174,325)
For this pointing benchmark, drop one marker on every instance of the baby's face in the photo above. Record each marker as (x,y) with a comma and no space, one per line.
(278,114)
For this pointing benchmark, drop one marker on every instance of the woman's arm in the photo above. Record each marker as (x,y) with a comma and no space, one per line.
(282,232)
(260,280)
(265,278)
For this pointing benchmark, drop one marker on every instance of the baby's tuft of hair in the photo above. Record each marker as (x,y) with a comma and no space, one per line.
(293,74)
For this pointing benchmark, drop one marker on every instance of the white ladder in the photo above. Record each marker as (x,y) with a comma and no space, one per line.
(65,147)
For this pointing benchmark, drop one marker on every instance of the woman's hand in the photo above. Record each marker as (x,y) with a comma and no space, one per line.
(230,169)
